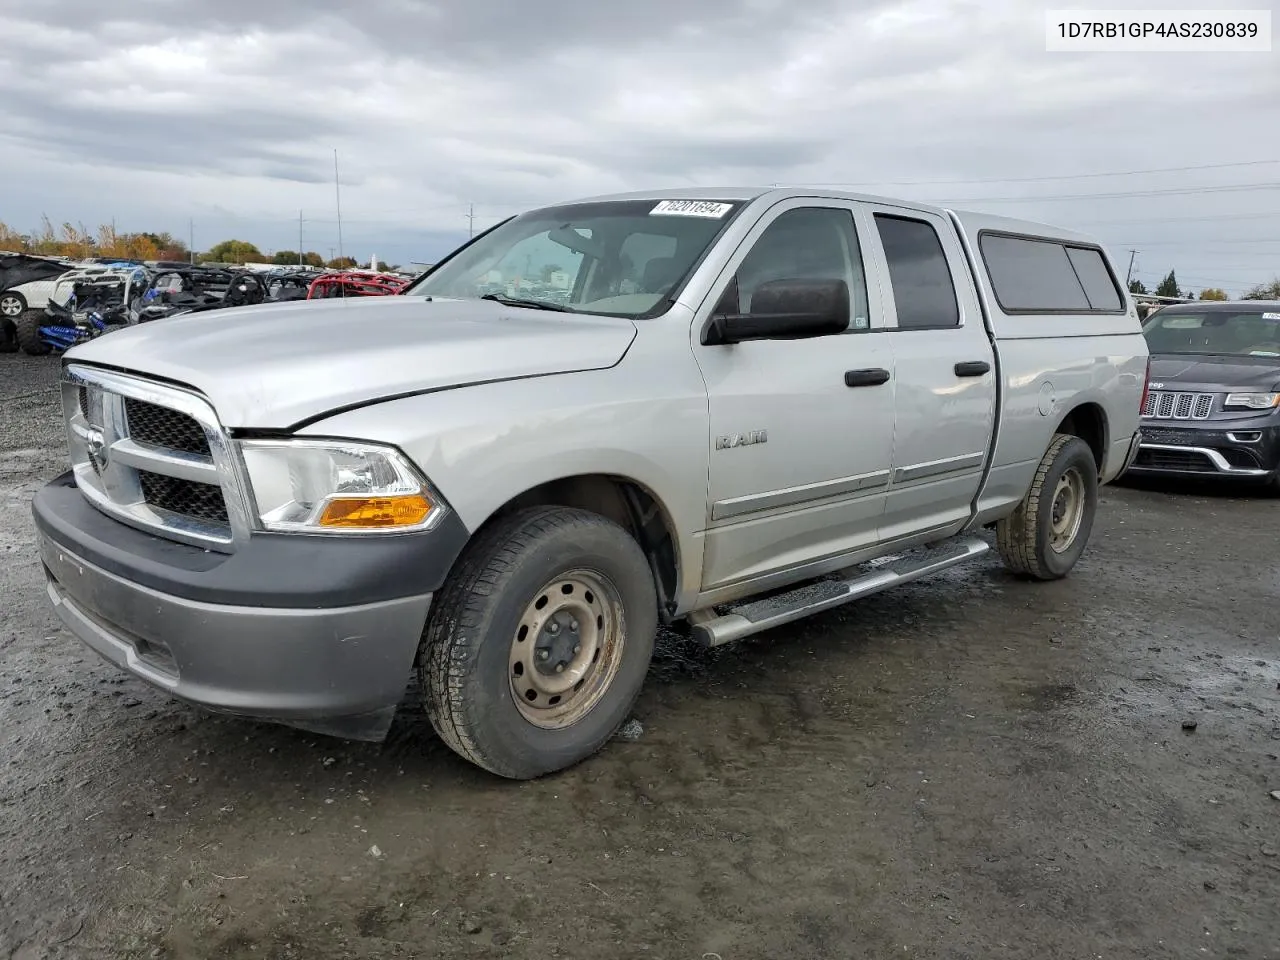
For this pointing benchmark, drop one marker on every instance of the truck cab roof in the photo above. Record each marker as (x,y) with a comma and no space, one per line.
(971,221)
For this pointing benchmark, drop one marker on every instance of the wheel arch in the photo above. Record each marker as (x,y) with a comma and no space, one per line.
(1088,421)
(628,503)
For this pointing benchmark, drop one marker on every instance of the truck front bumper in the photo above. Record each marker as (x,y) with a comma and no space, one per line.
(315,632)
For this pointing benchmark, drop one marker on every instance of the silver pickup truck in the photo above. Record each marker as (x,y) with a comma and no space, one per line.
(717,411)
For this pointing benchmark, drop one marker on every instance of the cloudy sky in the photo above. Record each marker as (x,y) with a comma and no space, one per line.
(226,113)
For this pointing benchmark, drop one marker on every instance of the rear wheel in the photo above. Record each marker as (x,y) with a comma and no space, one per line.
(1044,537)
(27,332)
(8,336)
(537,646)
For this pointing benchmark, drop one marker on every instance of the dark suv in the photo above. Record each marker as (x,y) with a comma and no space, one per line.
(1213,401)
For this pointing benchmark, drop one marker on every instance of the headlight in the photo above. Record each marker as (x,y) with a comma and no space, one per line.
(334,486)
(1252,401)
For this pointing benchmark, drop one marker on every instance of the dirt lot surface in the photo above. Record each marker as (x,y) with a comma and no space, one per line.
(970,767)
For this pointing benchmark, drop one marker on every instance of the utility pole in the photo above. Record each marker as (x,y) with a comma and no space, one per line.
(1128,277)
(337,193)
(471,220)
(191,239)
(299,238)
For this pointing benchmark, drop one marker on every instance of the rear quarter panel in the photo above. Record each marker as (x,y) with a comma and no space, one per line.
(1052,364)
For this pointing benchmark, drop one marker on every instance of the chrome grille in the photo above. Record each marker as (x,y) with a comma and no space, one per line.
(162,427)
(155,457)
(1167,405)
(186,497)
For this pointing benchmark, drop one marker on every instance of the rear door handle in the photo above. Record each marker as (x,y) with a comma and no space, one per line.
(973,368)
(866,378)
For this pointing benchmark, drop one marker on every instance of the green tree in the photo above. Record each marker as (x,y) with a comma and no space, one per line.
(1264,291)
(1137,286)
(286,258)
(1214,293)
(1168,286)
(168,246)
(312,259)
(342,263)
(233,251)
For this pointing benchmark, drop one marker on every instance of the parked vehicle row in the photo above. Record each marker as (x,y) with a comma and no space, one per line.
(52,304)
(723,413)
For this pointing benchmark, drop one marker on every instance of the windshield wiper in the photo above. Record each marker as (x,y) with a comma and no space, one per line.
(522,302)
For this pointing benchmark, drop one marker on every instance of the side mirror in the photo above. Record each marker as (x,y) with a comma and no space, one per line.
(786,310)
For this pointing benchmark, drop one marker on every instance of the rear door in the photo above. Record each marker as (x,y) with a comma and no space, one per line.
(945,401)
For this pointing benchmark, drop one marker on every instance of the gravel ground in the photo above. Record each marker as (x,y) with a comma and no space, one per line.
(969,767)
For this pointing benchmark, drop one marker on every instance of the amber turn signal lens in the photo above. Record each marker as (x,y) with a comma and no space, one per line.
(366,512)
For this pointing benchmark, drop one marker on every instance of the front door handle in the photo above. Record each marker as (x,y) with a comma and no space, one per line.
(866,378)
(973,368)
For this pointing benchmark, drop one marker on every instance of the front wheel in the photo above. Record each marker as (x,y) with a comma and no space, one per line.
(538,644)
(1044,537)
(8,336)
(27,333)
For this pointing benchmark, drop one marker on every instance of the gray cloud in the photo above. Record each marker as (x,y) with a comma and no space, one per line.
(160,111)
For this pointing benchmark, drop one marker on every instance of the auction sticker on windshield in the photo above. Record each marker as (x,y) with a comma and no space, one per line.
(691,208)
(1271,316)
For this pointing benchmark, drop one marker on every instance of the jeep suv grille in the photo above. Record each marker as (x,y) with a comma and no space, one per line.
(1167,405)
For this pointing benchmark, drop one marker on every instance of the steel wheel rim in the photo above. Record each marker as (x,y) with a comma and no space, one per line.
(10,306)
(1066,510)
(557,673)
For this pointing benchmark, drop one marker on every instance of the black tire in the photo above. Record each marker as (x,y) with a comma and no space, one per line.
(467,664)
(1026,538)
(27,333)
(8,336)
(12,304)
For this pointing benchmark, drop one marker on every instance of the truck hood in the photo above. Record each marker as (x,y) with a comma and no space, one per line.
(1209,374)
(277,365)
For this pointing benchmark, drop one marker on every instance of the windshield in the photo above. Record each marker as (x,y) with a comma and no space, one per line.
(1247,333)
(620,258)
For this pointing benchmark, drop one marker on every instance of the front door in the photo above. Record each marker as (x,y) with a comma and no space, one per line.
(800,429)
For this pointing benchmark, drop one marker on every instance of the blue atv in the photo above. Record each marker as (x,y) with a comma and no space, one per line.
(85,304)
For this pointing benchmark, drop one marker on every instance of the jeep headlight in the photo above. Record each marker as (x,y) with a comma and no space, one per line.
(336,486)
(1251,401)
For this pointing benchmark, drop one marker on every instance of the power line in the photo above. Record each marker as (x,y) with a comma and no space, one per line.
(1176,191)
(1065,176)
(1196,242)
(1226,216)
